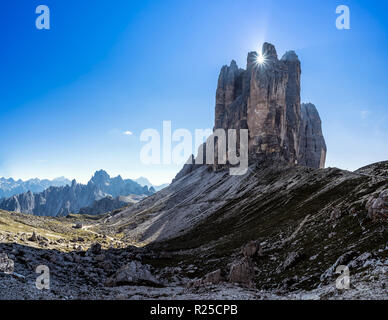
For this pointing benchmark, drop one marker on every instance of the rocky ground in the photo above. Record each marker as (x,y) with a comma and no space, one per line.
(93,274)
(283,239)
(85,275)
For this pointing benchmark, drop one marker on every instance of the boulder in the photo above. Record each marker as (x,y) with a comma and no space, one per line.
(95,248)
(33,237)
(133,273)
(6,264)
(378,207)
(252,249)
(335,214)
(242,272)
(38,238)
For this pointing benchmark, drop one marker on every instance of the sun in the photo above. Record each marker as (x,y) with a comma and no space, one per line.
(260,59)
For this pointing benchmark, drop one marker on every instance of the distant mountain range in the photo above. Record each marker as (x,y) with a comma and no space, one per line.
(109,204)
(65,199)
(145,182)
(10,187)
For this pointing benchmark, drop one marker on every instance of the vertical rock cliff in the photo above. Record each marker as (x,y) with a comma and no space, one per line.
(312,151)
(265,99)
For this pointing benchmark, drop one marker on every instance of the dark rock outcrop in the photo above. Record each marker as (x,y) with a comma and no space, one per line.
(265,99)
(312,146)
(251,249)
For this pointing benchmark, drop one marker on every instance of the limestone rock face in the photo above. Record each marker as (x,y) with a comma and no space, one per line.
(293,109)
(265,99)
(312,146)
(228,89)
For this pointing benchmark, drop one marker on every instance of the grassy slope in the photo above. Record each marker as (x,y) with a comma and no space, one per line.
(17,227)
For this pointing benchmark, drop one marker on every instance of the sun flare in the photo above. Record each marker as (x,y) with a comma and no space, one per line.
(260,59)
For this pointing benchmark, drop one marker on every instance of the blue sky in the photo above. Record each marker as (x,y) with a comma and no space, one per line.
(68,94)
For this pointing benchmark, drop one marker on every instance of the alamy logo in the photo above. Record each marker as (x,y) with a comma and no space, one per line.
(343,281)
(43,281)
(343,20)
(43,20)
(221,147)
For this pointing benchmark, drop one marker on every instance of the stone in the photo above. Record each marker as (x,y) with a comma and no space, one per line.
(133,273)
(38,238)
(33,237)
(242,272)
(214,277)
(251,249)
(6,264)
(378,207)
(335,214)
(195,283)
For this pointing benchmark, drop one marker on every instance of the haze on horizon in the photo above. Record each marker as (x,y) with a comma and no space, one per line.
(75,98)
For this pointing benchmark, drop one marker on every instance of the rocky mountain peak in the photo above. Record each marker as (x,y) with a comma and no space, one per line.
(101,173)
(100,178)
(269,51)
(62,200)
(265,99)
(10,187)
(290,56)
